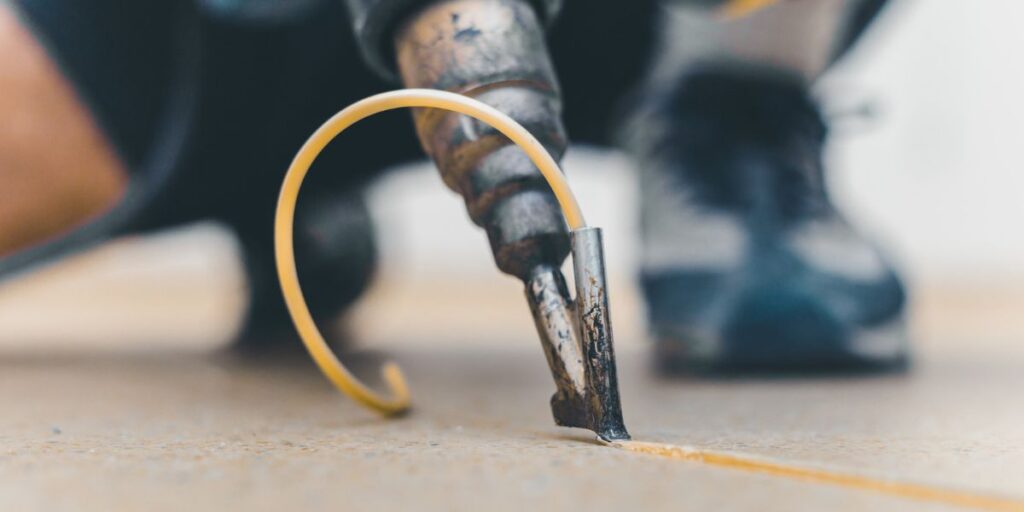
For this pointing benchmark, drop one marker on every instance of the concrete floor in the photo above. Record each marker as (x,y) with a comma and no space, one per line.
(163,432)
(172,424)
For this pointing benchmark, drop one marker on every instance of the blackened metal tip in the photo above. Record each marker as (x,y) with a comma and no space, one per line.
(612,436)
(577,340)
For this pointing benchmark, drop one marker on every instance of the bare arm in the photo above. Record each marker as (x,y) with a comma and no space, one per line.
(57,170)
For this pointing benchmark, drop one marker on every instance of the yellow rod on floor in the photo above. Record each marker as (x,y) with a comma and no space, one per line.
(759,465)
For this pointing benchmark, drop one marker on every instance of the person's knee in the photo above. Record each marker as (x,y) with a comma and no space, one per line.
(57,169)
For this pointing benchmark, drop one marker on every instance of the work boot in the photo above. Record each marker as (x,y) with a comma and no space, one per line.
(335,256)
(747,265)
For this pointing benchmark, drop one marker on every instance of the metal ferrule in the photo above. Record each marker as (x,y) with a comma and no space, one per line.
(577,338)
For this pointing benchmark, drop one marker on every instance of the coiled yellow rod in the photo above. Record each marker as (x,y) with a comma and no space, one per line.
(284,221)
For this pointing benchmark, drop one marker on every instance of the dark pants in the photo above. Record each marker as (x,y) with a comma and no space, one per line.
(206,111)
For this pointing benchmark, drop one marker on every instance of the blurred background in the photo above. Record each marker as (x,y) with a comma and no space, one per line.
(118,391)
(924,155)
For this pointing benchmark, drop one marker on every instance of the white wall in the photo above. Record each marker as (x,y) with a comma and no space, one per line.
(940,175)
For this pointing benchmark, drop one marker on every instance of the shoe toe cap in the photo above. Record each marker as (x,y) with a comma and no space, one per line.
(801,321)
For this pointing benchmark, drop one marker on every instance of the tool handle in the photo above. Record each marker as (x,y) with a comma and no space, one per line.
(493,51)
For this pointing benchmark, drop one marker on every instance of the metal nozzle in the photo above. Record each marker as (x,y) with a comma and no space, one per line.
(577,339)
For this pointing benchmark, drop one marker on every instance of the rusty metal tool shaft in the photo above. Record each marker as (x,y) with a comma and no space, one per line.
(495,52)
(577,340)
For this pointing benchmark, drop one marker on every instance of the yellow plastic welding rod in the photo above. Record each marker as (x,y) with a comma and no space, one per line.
(284,250)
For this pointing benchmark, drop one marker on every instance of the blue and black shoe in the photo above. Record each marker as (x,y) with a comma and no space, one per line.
(748,266)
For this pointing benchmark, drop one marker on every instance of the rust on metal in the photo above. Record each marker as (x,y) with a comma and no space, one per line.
(577,340)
